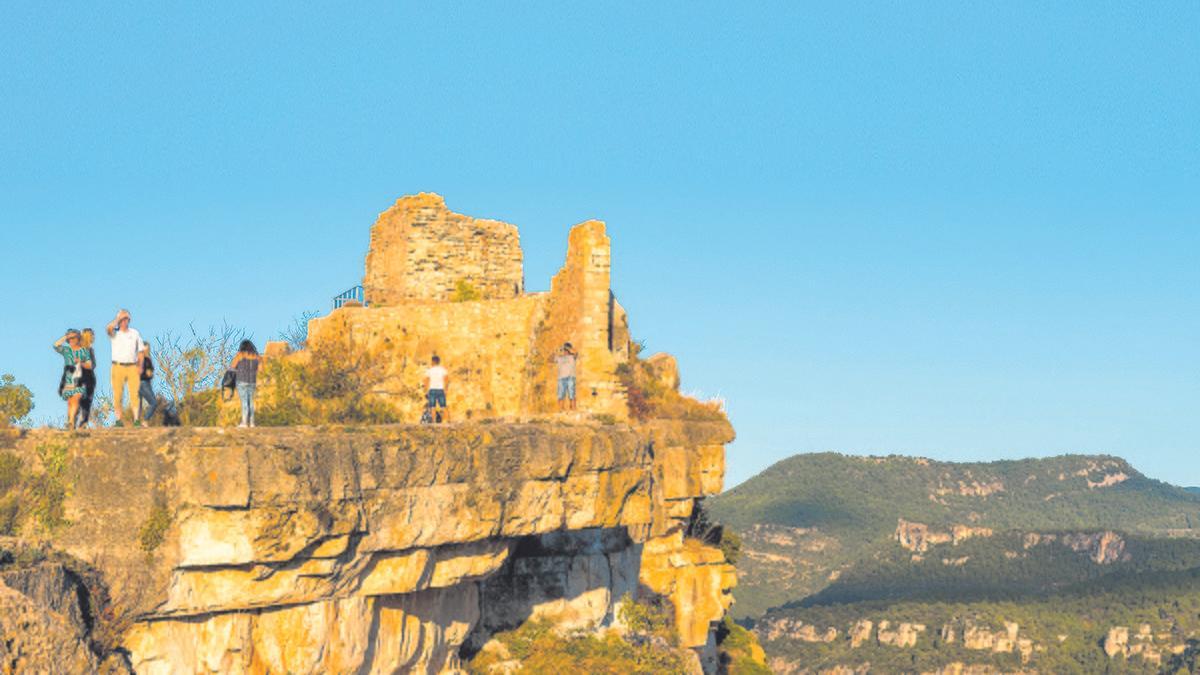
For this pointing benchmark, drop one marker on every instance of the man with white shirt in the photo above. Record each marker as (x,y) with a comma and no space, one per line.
(128,350)
(436,379)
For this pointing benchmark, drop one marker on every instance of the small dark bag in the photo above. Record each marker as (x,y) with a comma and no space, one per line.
(228,383)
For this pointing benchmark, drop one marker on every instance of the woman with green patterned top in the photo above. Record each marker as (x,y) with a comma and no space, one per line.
(75,358)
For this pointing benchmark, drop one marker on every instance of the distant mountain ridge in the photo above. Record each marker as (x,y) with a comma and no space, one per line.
(1074,563)
(812,516)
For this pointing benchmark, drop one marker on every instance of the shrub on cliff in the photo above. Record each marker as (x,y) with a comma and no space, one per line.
(741,654)
(296,335)
(332,386)
(16,401)
(189,366)
(34,495)
(649,398)
(701,526)
(536,647)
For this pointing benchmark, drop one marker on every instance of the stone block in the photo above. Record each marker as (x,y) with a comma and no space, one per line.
(215,476)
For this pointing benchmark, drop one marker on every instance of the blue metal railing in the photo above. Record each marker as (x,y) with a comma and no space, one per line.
(355,294)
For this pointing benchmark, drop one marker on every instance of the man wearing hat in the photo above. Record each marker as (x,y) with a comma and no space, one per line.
(128,350)
(566,360)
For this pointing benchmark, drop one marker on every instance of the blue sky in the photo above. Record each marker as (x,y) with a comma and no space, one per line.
(963,230)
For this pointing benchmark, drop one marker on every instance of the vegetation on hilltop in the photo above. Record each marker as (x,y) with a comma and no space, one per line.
(865,495)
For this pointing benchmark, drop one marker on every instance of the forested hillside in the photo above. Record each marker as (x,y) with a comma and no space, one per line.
(1060,565)
(810,518)
(1123,624)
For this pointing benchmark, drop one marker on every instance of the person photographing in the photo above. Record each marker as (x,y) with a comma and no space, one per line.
(567,361)
(128,352)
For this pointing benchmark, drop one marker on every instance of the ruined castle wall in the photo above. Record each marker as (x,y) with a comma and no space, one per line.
(500,351)
(582,311)
(485,345)
(421,251)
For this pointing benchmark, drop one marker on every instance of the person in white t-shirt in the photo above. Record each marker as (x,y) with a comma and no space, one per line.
(128,350)
(436,379)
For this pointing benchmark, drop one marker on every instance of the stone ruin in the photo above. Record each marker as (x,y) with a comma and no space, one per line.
(422,251)
(499,346)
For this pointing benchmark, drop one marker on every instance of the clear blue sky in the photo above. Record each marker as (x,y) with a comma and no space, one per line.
(962,230)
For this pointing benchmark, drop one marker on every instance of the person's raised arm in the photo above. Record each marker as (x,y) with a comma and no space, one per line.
(59,343)
(111,328)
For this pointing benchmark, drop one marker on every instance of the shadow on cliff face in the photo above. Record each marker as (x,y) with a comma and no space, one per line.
(55,613)
(576,578)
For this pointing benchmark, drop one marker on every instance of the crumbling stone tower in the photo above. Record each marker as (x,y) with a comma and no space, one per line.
(420,250)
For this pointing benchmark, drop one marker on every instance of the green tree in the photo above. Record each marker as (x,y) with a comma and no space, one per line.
(16,401)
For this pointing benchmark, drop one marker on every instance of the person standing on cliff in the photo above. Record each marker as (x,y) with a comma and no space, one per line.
(567,361)
(245,367)
(75,359)
(146,388)
(87,340)
(128,351)
(436,379)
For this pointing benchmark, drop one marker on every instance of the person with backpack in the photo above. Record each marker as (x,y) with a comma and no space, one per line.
(128,350)
(146,388)
(75,359)
(245,369)
(435,381)
(87,340)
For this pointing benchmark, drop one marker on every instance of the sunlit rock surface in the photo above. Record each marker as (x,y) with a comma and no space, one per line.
(382,549)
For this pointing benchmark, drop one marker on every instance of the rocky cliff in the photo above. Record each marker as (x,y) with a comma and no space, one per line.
(381,549)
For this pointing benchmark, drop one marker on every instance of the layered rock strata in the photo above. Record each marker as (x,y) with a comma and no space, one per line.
(383,549)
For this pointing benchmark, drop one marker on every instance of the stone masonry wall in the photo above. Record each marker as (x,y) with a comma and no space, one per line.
(499,350)
(485,345)
(421,251)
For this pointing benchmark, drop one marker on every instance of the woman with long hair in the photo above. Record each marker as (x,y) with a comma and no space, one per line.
(245,367)
(86,340)
(75,360)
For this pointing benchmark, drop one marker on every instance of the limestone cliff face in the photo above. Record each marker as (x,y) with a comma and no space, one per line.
(382,549)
